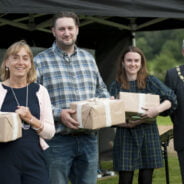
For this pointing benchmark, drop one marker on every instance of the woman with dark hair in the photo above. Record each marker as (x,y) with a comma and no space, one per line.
(137,145)
(22,160)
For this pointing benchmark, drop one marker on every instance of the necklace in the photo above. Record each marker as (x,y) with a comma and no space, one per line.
(24,125)
(179,73)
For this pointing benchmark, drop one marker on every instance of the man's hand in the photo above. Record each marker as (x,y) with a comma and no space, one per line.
(67,120)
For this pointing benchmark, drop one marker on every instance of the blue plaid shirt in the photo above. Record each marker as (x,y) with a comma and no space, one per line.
(68,78)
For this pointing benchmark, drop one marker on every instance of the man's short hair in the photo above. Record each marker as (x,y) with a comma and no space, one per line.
(65,14)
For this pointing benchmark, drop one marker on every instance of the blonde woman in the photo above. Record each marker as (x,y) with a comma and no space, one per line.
(22,160)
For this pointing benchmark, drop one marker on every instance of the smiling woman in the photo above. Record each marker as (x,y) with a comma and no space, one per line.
(132,64)
(19,93)
(137,145)
(19,65)
(18,58)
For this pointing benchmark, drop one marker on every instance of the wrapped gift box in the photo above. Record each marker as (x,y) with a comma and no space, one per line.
(98,113)
(10,126)
(134,103)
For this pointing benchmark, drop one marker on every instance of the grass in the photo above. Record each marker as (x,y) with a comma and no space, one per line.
(162,120)
(158,176)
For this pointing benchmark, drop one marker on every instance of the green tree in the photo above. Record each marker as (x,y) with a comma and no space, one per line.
(160,65)
(162,49)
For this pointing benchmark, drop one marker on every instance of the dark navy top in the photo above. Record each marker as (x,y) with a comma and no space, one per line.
(24,157)
(10,105)
(139,147)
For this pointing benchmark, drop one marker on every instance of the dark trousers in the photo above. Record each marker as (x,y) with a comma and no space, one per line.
(181,163)
(145,176)
(23,162)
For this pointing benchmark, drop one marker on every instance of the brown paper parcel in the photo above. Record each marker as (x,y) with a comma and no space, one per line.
(135,101)
(98,113)
(10,126)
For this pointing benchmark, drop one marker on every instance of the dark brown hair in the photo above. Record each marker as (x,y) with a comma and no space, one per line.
(65,14)
(121,76)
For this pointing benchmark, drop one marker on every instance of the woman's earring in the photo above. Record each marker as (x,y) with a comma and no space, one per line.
(6,68)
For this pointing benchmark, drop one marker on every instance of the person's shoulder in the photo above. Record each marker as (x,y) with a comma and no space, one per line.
(115,83)
(152,79)
(34,86)
(41,87)
(182,67)
(2,89)
(85,52)
(44,52)
(1,86)
(174,69)
(173,72)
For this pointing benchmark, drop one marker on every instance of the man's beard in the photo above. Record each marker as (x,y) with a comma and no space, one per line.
(66,44)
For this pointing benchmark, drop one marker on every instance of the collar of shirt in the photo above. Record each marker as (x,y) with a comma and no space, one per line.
(62,53)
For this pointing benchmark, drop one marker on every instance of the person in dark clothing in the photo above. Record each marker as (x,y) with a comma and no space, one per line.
(137,146)
(175,80)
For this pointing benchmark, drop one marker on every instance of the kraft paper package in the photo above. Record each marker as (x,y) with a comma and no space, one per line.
(135,101)
(98,113)
(10,126)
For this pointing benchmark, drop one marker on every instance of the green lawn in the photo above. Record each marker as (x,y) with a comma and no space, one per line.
(158,176)
(164,120)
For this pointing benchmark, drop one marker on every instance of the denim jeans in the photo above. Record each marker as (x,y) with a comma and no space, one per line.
(73,158)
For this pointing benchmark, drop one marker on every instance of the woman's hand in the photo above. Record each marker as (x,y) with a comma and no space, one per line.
(151,112)
(26,116)
(24,113)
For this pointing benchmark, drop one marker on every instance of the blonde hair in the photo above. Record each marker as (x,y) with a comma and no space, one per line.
(121,76)
(12,50)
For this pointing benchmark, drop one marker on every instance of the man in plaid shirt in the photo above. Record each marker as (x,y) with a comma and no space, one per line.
(70,74)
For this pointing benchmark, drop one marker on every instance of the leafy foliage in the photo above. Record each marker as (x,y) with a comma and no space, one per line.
(162,50)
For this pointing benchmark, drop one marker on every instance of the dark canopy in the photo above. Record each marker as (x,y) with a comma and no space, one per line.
(118,8)
(105,24)
(99,18)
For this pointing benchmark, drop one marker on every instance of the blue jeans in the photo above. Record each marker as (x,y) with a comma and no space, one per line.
(73,158)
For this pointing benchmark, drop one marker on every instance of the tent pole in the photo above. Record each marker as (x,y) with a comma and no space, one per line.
(133,39)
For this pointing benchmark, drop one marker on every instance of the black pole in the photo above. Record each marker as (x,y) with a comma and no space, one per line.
(166,162)
(165,138)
